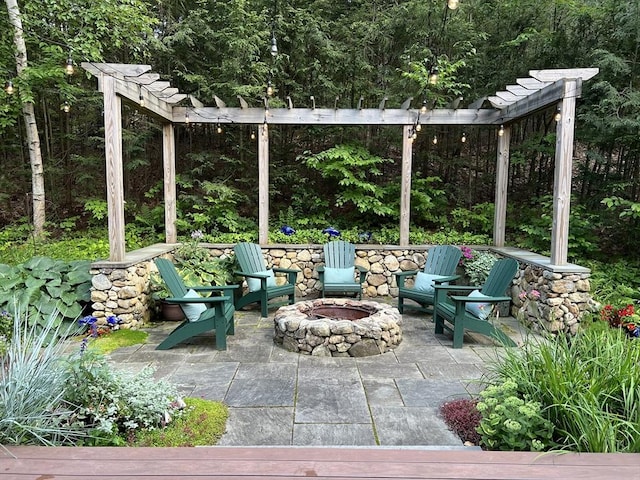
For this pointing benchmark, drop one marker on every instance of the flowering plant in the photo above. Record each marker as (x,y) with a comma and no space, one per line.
(624,318)
(95,330)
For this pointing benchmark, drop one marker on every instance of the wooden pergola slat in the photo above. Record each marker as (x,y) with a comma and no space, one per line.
(539,91)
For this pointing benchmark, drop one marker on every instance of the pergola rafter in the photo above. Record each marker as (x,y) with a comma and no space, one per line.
(541,90)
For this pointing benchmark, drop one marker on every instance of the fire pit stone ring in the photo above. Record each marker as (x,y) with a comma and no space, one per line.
(338,327)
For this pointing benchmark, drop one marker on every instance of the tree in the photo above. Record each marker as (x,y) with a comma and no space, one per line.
(29,116)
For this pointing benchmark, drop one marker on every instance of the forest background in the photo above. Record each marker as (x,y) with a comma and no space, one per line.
(341,52)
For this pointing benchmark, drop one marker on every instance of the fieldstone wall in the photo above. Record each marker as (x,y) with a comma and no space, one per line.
(545,297)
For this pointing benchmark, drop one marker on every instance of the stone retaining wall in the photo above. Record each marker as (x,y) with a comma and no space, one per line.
(122,289)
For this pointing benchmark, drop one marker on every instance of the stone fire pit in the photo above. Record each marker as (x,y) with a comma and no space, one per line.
(338,327)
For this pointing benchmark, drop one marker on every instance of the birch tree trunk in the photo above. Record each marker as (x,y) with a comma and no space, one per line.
(28,113)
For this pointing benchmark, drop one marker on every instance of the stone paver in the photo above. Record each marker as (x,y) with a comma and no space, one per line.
(277,397)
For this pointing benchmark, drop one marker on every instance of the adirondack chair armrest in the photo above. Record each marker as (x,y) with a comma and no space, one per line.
(402,275)
(454,288)
(292,273)
(199,300)
(213,288)
(485,299)
(253,274)
(320,269)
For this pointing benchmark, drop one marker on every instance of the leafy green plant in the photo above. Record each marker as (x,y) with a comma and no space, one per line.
(111,403)
(202,423)
(197,266)
(587,385)
(33,383)
(510,422)
(43,286)
(478,267)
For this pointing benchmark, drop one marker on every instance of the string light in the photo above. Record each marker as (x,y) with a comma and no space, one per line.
(269,88)
(141,98)
(501,131)
(186,118)
(418,127)
(219,129)
(423,109)
(435,140)
(558,116)
(9,87)
(274,46)
(69,67)
(66,107)
(452,4)
(253,135)
(464,137)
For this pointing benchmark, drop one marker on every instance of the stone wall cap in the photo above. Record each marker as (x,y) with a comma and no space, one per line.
(539,260)
(137,256)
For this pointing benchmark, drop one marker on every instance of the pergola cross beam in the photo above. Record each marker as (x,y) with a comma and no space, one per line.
(539,91)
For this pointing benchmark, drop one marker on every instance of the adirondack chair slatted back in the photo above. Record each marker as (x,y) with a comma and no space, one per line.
(171,277)
(250,257)
(442,260)
(500,277)
(339,254)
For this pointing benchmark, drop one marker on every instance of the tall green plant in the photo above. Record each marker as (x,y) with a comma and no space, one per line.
(587,385)
(33,382)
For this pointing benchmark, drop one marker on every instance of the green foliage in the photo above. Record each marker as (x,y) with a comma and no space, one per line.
(352,167)
(197,266)
(478,267)
(43,286)
(201,424)
(510,422)
(478,218)
(111,402)
(6,331)
(33,383)
(587,385)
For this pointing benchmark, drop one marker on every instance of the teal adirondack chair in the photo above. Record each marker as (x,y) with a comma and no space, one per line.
(337,276)
(458,313)
(260,280)
(207,313)
(442,261)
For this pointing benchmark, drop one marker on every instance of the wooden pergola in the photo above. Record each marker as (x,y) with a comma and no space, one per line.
(542,89)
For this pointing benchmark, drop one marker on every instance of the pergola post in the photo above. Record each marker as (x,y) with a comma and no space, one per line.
(263,184)
(114,172)
(502,182)
(405,187)
(169,168)
(562,174)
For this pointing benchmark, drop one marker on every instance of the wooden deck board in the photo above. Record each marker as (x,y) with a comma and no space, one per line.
(299,462)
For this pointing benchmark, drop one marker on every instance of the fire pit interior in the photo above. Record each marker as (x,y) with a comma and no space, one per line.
(338,327)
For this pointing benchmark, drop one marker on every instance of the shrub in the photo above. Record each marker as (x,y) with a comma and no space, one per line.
(478,266)
(587,385)
(463,418)
(112,403)
(510,422)
(33,382)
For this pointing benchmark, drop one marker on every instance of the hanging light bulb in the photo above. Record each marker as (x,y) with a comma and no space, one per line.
(9,87)
(269,88)
(186,118)
(414,135)
(501,131)
(433,75)
(66,107)
(452,4)
(69,67)
(253,135)
(464,137)
(423,109)
(141,101)
(274,46)
(219,129)
(418,127)
(435,140)
(558,116)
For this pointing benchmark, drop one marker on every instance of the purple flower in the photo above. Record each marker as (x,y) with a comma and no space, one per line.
(89,320)
(332,232)
(197,234)
(113,320)
(287,230)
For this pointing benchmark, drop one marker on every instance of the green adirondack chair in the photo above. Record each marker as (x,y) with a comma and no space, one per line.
(337,276)
(442,261)
(260,280)
(217,314)
(453,313)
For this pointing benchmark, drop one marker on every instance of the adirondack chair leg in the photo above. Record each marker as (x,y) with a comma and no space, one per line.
(458,334)
(221,337)
(439,321)
(292,299)
(401,304)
